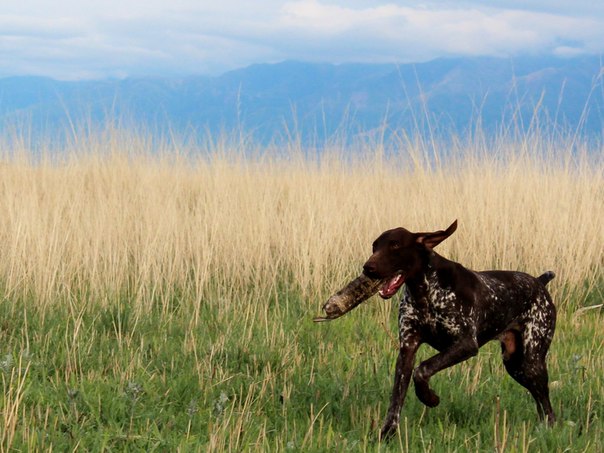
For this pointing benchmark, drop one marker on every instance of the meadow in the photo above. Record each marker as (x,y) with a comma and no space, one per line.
(159,297)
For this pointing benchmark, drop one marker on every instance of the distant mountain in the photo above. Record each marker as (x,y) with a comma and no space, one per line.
(319,100)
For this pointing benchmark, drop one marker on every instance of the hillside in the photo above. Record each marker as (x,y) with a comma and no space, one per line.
(319,100)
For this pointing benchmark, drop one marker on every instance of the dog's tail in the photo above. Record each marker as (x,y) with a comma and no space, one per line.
(546,277)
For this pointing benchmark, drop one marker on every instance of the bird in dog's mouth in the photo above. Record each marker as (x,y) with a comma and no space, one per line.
(357,291)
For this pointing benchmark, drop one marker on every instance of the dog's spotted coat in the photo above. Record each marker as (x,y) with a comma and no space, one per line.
(456,310)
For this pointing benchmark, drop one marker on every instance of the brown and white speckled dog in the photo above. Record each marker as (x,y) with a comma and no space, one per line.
(456,311)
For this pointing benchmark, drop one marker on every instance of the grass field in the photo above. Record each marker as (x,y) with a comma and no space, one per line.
(162,301)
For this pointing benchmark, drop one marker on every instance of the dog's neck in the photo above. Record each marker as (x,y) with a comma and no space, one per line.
(426,285)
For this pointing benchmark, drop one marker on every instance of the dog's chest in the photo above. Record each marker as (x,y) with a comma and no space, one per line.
(436,312)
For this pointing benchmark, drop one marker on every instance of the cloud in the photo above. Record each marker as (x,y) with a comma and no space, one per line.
(404,33)
(86,38)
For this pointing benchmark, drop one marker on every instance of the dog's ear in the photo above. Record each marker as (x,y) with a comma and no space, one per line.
(431,240)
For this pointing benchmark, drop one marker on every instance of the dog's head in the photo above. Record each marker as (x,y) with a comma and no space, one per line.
(398,254)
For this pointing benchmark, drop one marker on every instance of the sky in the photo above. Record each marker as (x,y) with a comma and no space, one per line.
(92,39)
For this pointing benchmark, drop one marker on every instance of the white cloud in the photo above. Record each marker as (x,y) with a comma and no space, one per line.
(403,33)
(75,38)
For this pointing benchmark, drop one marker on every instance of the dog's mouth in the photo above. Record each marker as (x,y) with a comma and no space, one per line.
(390,287)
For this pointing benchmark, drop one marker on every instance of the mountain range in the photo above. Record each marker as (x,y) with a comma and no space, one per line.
(273,101)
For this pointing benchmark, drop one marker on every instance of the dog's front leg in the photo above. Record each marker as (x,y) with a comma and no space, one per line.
(402,377)
(460,351)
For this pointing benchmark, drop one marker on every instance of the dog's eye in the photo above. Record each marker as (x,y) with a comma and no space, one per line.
(395,245)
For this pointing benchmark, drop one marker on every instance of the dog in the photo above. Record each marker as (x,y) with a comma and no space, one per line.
(456,311)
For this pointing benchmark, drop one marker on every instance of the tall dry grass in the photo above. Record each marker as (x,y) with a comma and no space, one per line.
(110,216)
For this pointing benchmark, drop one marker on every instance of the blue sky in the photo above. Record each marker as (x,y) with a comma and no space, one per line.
(82,39)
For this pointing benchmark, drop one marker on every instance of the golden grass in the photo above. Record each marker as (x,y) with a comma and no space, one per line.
(111,215)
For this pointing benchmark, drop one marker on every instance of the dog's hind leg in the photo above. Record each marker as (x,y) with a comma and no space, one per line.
(532,374)
(524,359)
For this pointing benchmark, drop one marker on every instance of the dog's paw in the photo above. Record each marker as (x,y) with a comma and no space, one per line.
(427,396)
(388,431)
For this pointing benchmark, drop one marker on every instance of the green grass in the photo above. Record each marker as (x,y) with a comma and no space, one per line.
(94,376)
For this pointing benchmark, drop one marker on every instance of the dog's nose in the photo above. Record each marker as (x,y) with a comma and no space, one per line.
(369,268)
